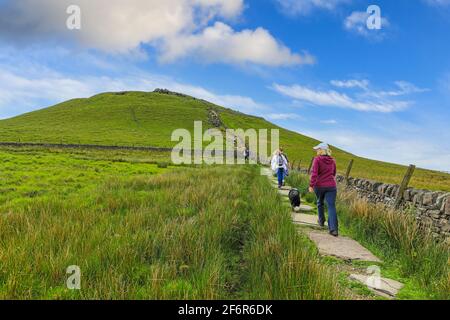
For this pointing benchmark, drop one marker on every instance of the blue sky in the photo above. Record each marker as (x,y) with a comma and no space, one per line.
(311,66)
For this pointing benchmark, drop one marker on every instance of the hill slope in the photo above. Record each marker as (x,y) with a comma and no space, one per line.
(148,119)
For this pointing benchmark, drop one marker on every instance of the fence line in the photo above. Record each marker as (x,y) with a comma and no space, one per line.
(236,154)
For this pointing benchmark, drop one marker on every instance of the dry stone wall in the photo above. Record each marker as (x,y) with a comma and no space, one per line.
(431,208)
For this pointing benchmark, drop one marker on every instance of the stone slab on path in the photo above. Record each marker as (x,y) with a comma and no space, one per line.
(341,247)
(387,288)
(304,208)
(305,219)
(283,192)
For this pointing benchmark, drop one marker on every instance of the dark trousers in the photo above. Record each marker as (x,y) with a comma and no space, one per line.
(328,195)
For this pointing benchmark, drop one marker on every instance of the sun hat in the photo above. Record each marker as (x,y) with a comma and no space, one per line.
(322,146)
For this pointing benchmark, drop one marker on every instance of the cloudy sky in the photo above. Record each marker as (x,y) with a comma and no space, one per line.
(312,66)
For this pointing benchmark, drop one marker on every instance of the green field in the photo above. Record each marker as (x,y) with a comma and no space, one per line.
(28,173)
(148,119)
(138,231)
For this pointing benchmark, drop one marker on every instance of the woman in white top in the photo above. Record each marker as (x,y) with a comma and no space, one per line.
(279,165)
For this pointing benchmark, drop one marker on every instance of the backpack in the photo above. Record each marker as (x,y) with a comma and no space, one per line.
(294,198)
(280,161)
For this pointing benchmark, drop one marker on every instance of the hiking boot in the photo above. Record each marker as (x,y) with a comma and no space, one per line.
(334,233)
(321,224)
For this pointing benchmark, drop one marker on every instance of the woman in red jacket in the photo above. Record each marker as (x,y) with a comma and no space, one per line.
(323,183)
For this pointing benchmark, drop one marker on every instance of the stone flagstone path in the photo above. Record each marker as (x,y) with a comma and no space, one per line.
(341,247)
(387,288)
(305,219)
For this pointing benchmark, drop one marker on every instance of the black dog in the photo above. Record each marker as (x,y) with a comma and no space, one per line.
(294,197)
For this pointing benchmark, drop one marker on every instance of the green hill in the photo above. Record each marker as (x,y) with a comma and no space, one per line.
(148,119)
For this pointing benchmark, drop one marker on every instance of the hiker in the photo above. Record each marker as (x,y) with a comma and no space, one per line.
(279,166)
(323,184)
(247,153)
(286,173)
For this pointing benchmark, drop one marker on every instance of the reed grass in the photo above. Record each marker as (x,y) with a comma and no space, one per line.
(193,233)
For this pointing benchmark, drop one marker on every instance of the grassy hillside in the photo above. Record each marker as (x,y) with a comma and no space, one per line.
(148,119)
(132,118)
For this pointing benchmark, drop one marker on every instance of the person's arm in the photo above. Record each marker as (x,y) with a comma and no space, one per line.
(273,163)
(335,171)
(314,173)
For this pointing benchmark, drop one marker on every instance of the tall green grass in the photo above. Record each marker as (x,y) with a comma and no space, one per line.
(212,233)
(401,240)
(279,262)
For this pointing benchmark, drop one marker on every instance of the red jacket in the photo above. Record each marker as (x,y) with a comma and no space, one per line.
(323,173)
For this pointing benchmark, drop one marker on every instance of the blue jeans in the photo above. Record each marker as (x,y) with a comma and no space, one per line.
(328,195)
(280,175)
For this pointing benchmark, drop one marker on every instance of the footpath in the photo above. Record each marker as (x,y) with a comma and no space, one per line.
(342,248)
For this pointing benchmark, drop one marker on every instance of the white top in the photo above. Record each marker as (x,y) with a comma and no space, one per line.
(275,163)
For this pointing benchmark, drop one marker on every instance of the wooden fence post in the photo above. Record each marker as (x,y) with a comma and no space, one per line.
(349,169)
(404,185)
(310,165)
(292,165)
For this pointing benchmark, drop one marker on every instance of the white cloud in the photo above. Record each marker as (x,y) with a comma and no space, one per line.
(357,22)
(220,43)
(23,90)
(176,28)
(426,153)
(362,84)
(237,102)
(332,98)
(332,121)
(304,7)
(115,25)
(404,88)
(283,116)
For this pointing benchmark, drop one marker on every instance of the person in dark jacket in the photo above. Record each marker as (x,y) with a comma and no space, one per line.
(323,183)
(247,153)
